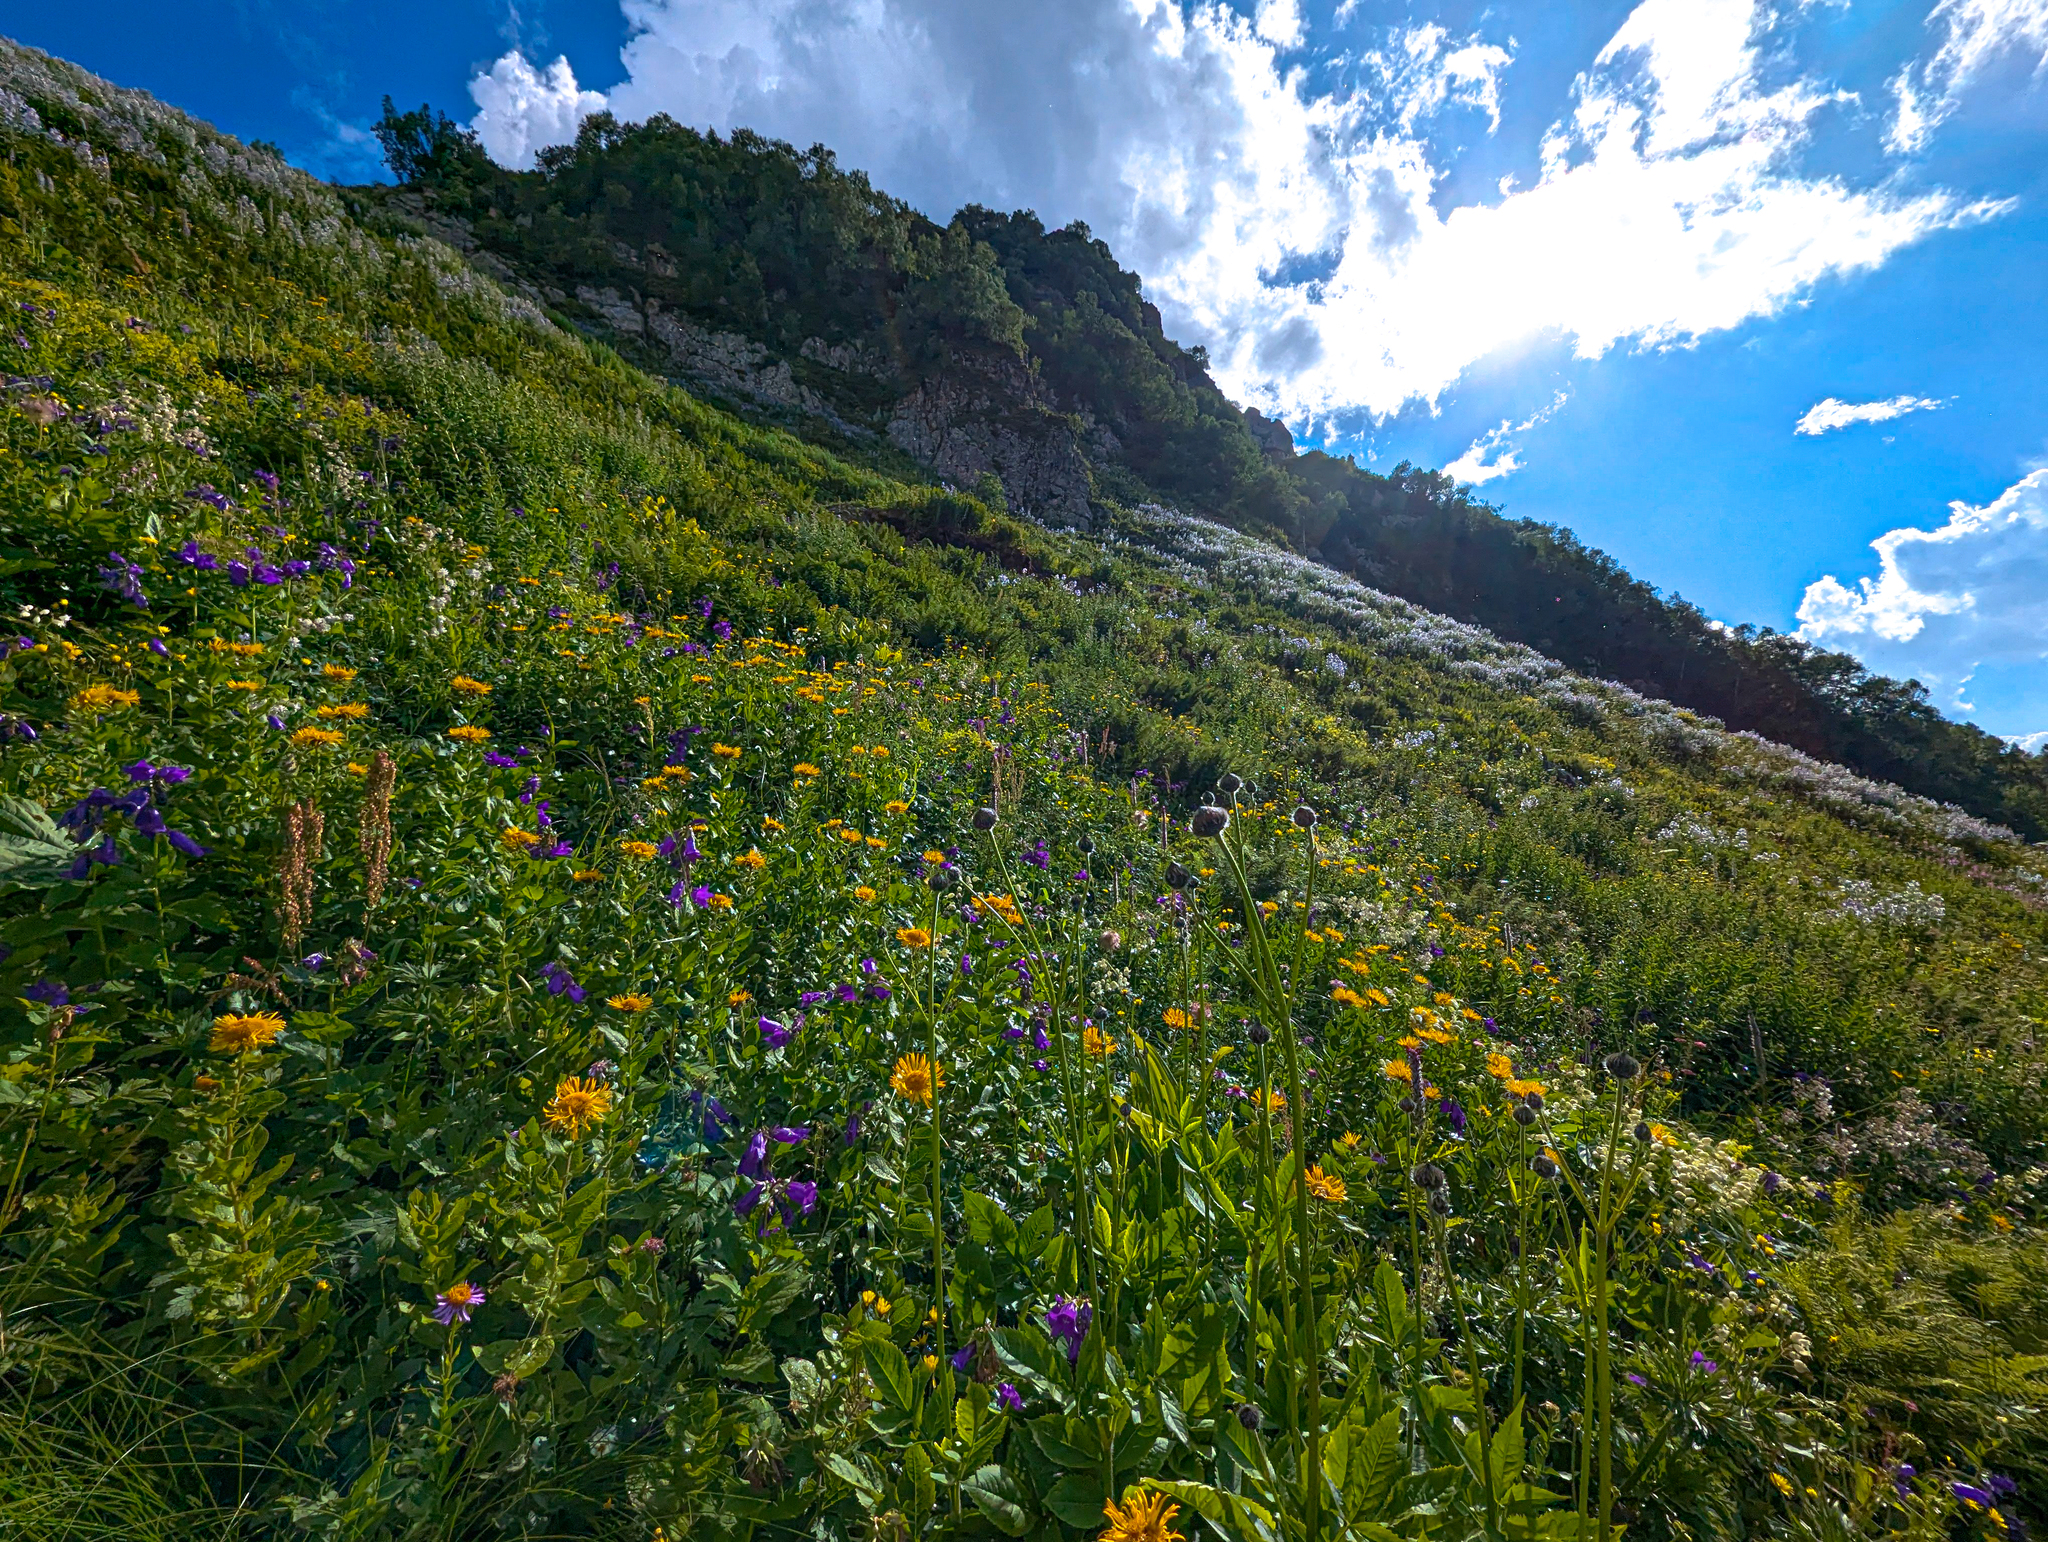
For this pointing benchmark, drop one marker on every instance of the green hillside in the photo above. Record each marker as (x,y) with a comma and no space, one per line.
(581,966)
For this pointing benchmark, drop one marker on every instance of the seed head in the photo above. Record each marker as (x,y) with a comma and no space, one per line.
(1622,1066)
(941,879)
(1305,817)
(1177,876)
(1641,1132)
(984,819)
(1259,1033)
(1439,1205)
(1524,1115)
(1543,1167)
(1428,1175)
(1085,845)
(1249,1417)
(1210,821)
(1229,783)
(1533,1102)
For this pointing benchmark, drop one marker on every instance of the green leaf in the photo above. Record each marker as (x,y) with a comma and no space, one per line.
(1077,1499)
(34,852)
(1231,1514)
(890,1372)
(1000,1497)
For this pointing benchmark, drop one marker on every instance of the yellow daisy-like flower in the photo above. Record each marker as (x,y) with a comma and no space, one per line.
(241,650)
(913,937)
(340,674)
(934,857)
(245,685)
(468,733)
(468,687)
(679,773)
(310,738)
(1096,1043)
(1143,1518)
(775,825)
(1397,1070)
(880,752)
(1344,995)
(512,838)
(243,1033)
(725,751)
(357,768)
(738,997)
(896,806)
(639,850)
(1348,1141)
(1409,1041)
(851,837)
(578,1106)
(1521,1089)
(1276,1102)
(104,698)
(721,902)
(864,894)
(348,711)
(632,1002)
(1499,1066)
(1377,997)
(753,861)
(1327,1187)
(1176,1018)
(916,1077)
(875,841)
(805,768)
(587,875)
(1437,1035)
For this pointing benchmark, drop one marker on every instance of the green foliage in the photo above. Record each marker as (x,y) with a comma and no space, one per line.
(467,932)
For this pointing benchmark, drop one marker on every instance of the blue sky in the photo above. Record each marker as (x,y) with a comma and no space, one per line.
(1602,259)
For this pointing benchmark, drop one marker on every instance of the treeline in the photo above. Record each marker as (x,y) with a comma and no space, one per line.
(750,235)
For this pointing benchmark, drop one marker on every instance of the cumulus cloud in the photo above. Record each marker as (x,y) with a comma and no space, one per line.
(1830,413)
(1945,602)
(1495,453)
(1976,34)
(521,110)
(1295,228)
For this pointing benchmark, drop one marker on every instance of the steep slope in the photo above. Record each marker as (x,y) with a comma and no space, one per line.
(488,838)
(994,348)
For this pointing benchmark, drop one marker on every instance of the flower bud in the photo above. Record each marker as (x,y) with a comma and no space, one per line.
(1543,1167)
(1110,941)
(1229,783)
(1622,1066)
(1439,1205)
(1177,876)
(1085,845)
(1259,1033)
(1249,1417)
(984,819)
(1524,1115)
(1210,821)
(1533,1102)
(1428,1175)
(1407,1105)
(1305,817)
(1641,1132)
(941,879)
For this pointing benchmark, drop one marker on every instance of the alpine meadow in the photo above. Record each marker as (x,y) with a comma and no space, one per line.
(683,857)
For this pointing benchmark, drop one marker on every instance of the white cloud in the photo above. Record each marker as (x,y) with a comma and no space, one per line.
(1947,601)
(1832,414)
(1975,35)
(1475,467)
(1669,202)
(521,109)
(2032,743)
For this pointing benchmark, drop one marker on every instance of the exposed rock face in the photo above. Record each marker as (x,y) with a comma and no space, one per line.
(1271,434)
(978,418)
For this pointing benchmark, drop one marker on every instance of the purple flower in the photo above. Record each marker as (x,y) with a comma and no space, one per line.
(454,1304)
(1041,1066)
(1008,1399)
(180,841)
(1014,1031)
(714,1114)
(313,962)
(1972,1493)
(963,1357)
(853,1125)
(653,1246)
(1454,1115)
(1067,1320)
(1041,858)
(502,762)
(754,1160)
(1694,1261)
(879,992)
(104,855)
(966,965)
(561,983)
(790,1134)
(1637,1381)
(723,629)
(51,993)
(868,966)
(700,896)
(803,1195)
(810,998)
(2001,1485)
(1702,1364)
(122,577)
(846,993)
(275,721)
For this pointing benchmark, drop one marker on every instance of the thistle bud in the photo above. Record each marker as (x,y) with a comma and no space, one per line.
(941,879)
(984,819)
(1249,1417)
(1177,876)
(1210,821)
(1543,1167)
(1428,1175)
(1407,1105)
(1622,1066)
(1439,1205)
(1641,1132)
(1085,845)
(1259,1033)
(1305,817)
(1533,1102)
(1524,1115)
(1229,783)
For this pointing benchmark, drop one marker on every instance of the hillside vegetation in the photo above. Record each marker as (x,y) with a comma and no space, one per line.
(995,348)
(578,966)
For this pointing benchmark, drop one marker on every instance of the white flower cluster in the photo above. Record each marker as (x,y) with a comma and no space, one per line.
(1859,899)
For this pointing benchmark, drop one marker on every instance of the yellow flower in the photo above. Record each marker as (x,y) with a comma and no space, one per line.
(1143,1518)
(1409,1041)
(515,839)
(851,837)
(634,1002)
(1327,1187)
(587,875)
(357,768)
(1377,997)
(1782,1484)
(468,733)
(641,850)
(725,752)
(104,698)
(240,1033)
(245,685)
(913,937)
(931,1364)
(241,650)
(578,1106)
(1397,1070)
(738,997)
(316,738)
(1346,996)
(934,857)
(864,894)
(896,806)
(1276,1102)
(1498,1065)
(1521,1089)
(341,674)
(469,687)
(916,1078)
(1096,1043)
(1176,1018)
(753,861)
(805,768)
(721,902)
(876,841)
(1348,1141)
(352,711)
(1437,1035)
(771,824)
